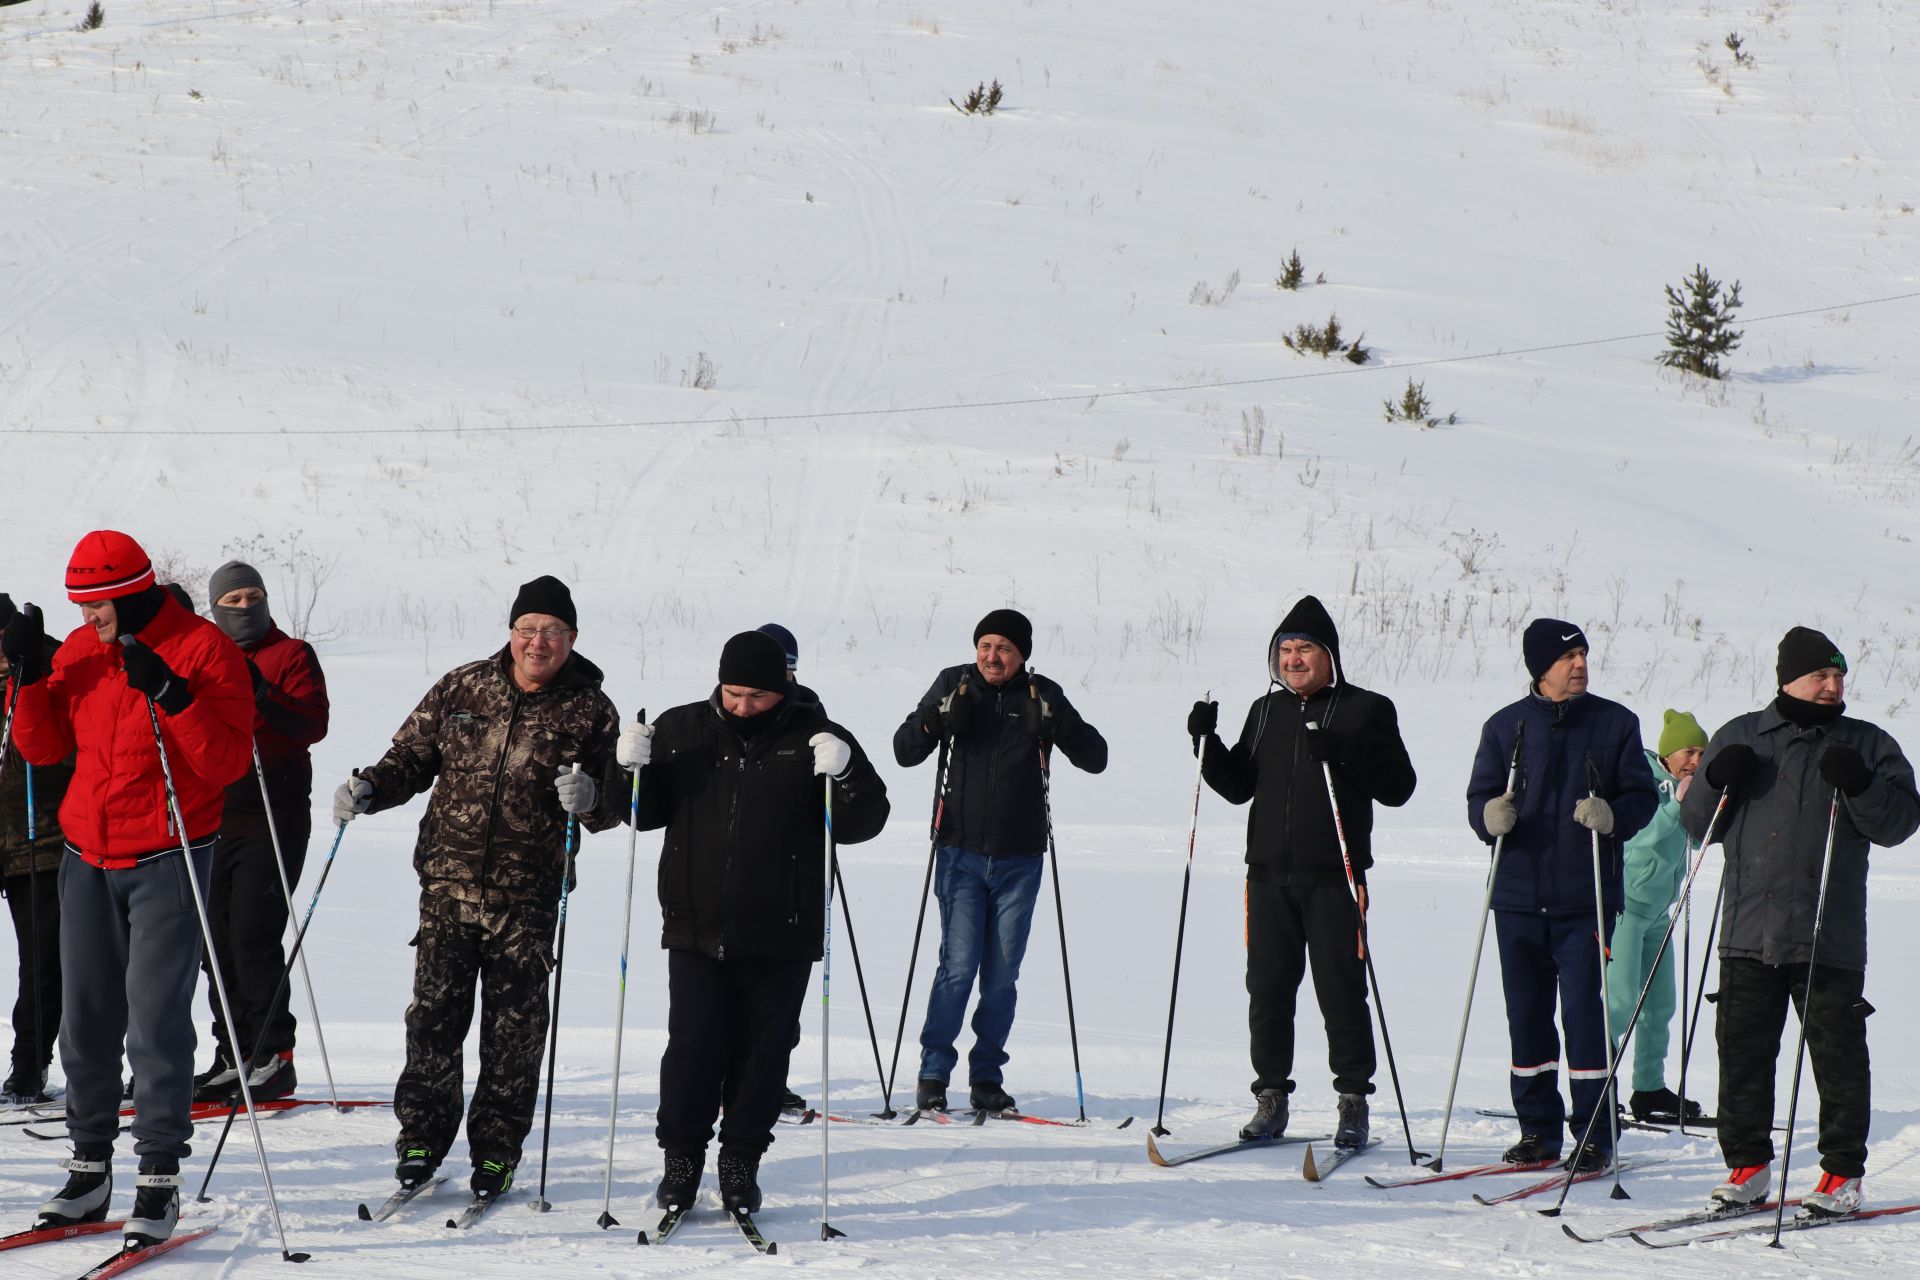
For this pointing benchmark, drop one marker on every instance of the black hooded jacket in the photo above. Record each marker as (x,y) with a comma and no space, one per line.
(1291,838)
(994,802)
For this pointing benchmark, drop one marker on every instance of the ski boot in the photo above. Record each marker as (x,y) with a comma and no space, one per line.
(740,1180)
(89,1188)
(156,1206)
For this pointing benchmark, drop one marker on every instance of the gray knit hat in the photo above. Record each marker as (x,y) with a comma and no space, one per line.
(231,576)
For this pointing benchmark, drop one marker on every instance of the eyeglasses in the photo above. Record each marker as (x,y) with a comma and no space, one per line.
(542,633)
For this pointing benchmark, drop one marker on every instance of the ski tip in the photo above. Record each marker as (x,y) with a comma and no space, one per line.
(365,1214)
(1124,1123)
(773,1247)
(294,1257)
(1480,1199)
(1372,1181)
(1637,1238)
(452,1224)
(1571,1234)
(1153,1152)
(1308,1169)
(643,1239)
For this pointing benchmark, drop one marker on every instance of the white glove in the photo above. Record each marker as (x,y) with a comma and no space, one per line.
(351,799)
(831,756)
(635,747)
(1594,814)
(577,792)
(1499,816)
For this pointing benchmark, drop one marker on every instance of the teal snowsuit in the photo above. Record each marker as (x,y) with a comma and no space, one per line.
(1654,866)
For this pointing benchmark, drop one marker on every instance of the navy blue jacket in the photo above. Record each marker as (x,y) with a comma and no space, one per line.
(1546,865)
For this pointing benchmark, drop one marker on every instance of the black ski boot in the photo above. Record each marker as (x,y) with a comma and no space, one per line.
(1354,1127)
(681,1182)
(931,1095)
(218,1082)
(26,1087)
(491,1178)
(416,1165)
(1662,1106)
(272,1077)
(1531,1149)
(1269,1117)
(740,1180)
(156,1206)
(989,1096)
(89,1189)
(1590,1157)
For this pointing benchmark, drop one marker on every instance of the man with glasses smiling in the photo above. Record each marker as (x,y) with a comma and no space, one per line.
(498,741)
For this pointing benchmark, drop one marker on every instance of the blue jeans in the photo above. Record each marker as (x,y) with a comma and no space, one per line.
(986,911)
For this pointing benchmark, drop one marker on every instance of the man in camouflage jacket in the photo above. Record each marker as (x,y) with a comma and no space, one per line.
(498,741)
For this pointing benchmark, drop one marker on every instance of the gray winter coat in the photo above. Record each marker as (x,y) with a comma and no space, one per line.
(1774,835)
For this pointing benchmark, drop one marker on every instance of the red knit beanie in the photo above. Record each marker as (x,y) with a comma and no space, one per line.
(107,565)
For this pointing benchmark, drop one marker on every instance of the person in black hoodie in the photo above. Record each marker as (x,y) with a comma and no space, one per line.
(1300,908)
(735,780)
(995,722)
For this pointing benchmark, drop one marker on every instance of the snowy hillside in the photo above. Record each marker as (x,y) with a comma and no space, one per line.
(724,314)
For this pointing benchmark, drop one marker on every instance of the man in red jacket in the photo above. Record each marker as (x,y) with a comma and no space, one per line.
(246,905)
(130,934)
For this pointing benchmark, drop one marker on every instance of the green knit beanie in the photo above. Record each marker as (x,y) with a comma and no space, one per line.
(1678,731)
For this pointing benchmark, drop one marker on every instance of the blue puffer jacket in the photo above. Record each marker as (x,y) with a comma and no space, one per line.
(1546,865)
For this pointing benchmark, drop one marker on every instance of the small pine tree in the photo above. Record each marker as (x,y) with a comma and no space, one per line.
(95,18)
(1700,324)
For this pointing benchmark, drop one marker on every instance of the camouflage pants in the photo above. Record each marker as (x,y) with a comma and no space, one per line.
(508,954)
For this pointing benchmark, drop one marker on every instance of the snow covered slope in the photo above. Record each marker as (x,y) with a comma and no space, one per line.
(724,314)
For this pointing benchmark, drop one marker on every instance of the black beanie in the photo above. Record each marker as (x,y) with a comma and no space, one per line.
(1804,651)
(754,660)
(545,594)
(1010,623)
(1546,641)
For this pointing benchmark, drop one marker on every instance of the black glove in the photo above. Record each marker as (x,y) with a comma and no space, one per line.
(1323,746)
(25,644)
(148,673)
(1845,770)
(1203,720)
(955,713)
(1732,766)
(6,609)
(260,685)
(1036,714)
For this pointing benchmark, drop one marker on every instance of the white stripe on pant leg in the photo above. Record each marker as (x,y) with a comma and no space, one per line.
(1545,1068)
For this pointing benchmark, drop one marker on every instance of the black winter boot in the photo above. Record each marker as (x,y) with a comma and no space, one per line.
(1269,1117)
(415,1166)
(931,1095)
(681,1182)
(1354,1128)
(740,1180)
(989,1095)
(1531,1149)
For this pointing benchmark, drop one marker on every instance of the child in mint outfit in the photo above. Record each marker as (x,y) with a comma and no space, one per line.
(1654,867)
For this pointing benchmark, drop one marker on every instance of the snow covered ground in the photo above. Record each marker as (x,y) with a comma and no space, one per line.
(724,314)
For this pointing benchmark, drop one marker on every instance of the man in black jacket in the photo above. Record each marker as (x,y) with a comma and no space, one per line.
(733,779)
(995,723)
(1300,907)
(1790,772)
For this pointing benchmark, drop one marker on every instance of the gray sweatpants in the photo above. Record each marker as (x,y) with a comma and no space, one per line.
(129,959)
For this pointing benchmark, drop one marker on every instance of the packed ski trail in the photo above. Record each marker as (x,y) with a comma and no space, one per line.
(433,252)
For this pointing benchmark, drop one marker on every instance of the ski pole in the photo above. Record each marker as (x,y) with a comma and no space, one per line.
(606,1218)
(920,921)
(1366,954)
(827,1230)
(1686,964)
(286,977)
(33,921)
(1439,1161)
(1060,914)
(1606,1009)
(286,890)
(1160,1129)
(846,912)
(1692,1025)
(1806,1013)
(540,1204)
(179,819)
(1633,1020)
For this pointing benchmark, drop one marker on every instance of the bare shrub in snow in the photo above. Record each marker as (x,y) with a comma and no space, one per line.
(700,373)
(1203,294)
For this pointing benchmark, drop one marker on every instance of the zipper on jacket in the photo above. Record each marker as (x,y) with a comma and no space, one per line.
(726,865)
(493,809)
